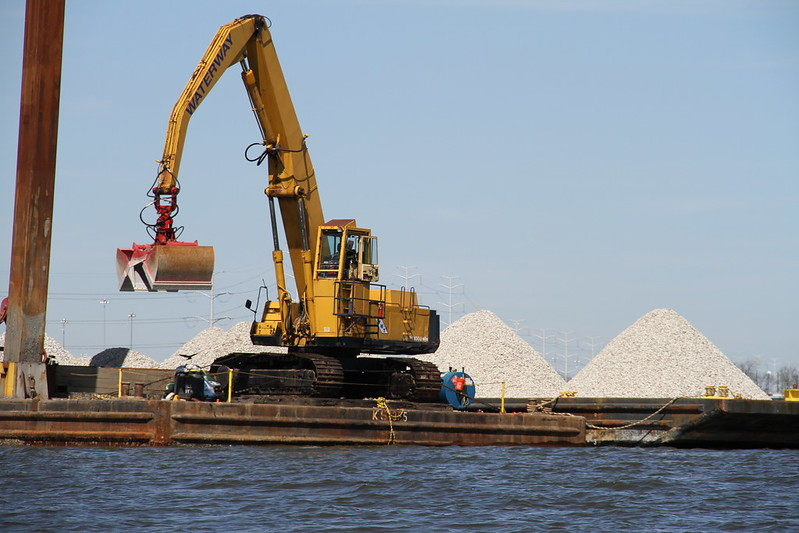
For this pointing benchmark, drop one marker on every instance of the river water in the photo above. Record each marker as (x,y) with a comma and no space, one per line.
(395,488)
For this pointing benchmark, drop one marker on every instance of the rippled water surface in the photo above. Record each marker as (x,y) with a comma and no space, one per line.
(392,488)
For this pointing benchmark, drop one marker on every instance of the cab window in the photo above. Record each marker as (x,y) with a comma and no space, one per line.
(330,254)
(369,254)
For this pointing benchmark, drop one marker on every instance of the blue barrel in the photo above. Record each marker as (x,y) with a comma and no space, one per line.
(459,399)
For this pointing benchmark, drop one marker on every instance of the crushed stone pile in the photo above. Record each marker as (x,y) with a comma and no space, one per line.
(54,348)
(215,342)
(491,352)
(661,355)
(122,357)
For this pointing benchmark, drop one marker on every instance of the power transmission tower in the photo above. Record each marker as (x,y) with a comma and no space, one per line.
(543,337)
(592,342)
(566,340)
(406,277)
(450,287)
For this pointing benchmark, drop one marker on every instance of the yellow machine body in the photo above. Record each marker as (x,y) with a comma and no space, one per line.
(339,307)
(351,311)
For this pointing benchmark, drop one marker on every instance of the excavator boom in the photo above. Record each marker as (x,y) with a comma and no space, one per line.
(168,264)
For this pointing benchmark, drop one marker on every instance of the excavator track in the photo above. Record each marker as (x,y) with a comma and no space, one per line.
(324,376)
(391,377)
(309,374)
(329,374)
(428,380)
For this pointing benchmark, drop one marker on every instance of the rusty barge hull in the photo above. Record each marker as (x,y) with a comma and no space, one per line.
(129,412)
(129,422)
(686,422)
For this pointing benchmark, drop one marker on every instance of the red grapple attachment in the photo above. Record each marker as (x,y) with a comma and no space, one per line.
(170,267)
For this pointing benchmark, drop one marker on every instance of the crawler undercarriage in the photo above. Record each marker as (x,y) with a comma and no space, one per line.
(318,375)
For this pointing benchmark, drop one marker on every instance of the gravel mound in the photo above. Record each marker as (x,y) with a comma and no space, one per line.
(491,352)
(122,357)
(54,349)
(660,356)
(214,342)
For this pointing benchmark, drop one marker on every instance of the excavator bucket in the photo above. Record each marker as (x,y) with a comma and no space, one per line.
(165,267)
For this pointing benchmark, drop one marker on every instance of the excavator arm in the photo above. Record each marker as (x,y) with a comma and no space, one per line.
(292,181)
(168,264)
(227,48)
(341,310)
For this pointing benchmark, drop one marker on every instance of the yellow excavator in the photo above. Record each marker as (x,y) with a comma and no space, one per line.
(341,313)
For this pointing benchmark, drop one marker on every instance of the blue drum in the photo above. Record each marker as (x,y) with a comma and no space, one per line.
(457,389)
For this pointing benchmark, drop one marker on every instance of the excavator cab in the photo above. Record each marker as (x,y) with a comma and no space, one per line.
(346,253)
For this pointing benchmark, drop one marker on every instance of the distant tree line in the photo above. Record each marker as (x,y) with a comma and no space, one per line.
(786,377)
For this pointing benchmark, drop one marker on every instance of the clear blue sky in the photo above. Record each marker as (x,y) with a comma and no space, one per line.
(568,165)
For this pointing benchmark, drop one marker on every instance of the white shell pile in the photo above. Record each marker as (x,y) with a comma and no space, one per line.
(660,356)
(54,349)
(122,357)
(212,343)
(491,352)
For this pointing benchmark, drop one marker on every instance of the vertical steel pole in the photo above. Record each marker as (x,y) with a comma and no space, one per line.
(104,302)
(131,316)
(33,206)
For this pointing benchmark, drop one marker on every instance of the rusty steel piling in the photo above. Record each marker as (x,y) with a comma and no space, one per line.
(33,206)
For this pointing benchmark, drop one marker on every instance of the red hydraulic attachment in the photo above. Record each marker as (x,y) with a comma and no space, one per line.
(167,264)
(164,230)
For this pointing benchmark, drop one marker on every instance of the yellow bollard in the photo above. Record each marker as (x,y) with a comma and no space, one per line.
(119,385)
(502,400)
(229,385)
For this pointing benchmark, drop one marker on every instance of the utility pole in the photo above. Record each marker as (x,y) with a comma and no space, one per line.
(64,332)
(131,316)
(212,298)
(104,302)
